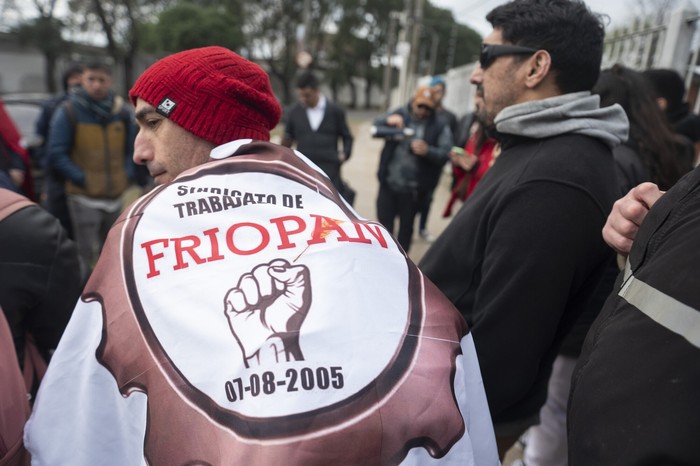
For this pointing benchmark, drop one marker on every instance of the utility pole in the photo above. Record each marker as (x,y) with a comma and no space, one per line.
(307,23)
(303,57)
(452,47)
(403,49)
(416,30)
(435,42)
(390,51)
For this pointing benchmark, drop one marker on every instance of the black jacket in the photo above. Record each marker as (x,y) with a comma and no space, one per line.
(430,166)
(523,257)
(39,276)
(634,398)
(321,146)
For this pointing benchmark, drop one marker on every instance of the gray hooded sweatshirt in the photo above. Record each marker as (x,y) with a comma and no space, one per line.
(576,113)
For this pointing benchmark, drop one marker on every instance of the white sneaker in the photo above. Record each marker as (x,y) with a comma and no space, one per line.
(425,234)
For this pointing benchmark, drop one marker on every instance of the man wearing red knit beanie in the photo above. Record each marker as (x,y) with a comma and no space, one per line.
(212,95)
(242,313)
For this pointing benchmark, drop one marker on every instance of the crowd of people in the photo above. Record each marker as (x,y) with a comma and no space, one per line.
(241,312)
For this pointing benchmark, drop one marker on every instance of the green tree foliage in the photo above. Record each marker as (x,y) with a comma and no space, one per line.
(467,46)
(360,42)
(271,33)
(118,22)
(187,25)
(457,44)
(347,39)
(273,30)
(44,33)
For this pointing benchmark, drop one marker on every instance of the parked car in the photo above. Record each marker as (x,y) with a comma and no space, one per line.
(24,109)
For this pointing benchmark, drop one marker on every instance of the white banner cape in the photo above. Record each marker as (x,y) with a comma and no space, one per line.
(245,314)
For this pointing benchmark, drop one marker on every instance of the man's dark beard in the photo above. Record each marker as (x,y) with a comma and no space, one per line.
(480,117)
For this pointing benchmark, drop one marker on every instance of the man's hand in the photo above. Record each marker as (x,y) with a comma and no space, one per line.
(627,215)
(17,175)
(464,161)
(395,120)
(419,147)
(266,309)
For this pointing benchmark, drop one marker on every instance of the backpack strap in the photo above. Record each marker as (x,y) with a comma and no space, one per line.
(122,109)
(69,110)
(12,202)
(67,107)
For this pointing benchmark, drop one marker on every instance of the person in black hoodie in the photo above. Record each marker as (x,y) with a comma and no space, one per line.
(523,257)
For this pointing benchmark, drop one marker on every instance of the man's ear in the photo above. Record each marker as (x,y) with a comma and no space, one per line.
(539,66)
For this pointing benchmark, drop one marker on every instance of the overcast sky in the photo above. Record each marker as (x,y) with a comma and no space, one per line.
(472,12)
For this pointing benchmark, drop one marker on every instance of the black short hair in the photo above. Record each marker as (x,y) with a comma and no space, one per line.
(650,134)
(307,80)
(72,70)
(567,29)
(97,65)
(668,84)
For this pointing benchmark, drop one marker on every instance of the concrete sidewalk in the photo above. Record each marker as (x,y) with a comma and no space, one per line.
(360,172)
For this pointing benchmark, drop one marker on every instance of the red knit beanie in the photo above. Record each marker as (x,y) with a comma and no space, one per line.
(211,92)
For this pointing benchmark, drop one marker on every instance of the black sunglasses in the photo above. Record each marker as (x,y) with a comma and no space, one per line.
(489,52)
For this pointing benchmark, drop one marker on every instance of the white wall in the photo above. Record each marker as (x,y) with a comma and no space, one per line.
(21,72)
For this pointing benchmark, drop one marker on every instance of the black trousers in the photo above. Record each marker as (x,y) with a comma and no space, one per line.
(404,205)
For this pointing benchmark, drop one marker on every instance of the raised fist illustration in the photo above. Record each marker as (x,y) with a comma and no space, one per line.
(266,310)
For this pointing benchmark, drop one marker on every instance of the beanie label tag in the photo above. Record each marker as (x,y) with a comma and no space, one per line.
(166,106)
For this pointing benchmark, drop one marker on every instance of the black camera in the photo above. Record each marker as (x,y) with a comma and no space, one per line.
(391,132)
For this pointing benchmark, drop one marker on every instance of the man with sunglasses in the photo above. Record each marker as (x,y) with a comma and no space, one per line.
(409,166)
(523,257)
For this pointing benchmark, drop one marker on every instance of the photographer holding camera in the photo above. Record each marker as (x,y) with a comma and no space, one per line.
(410,165)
